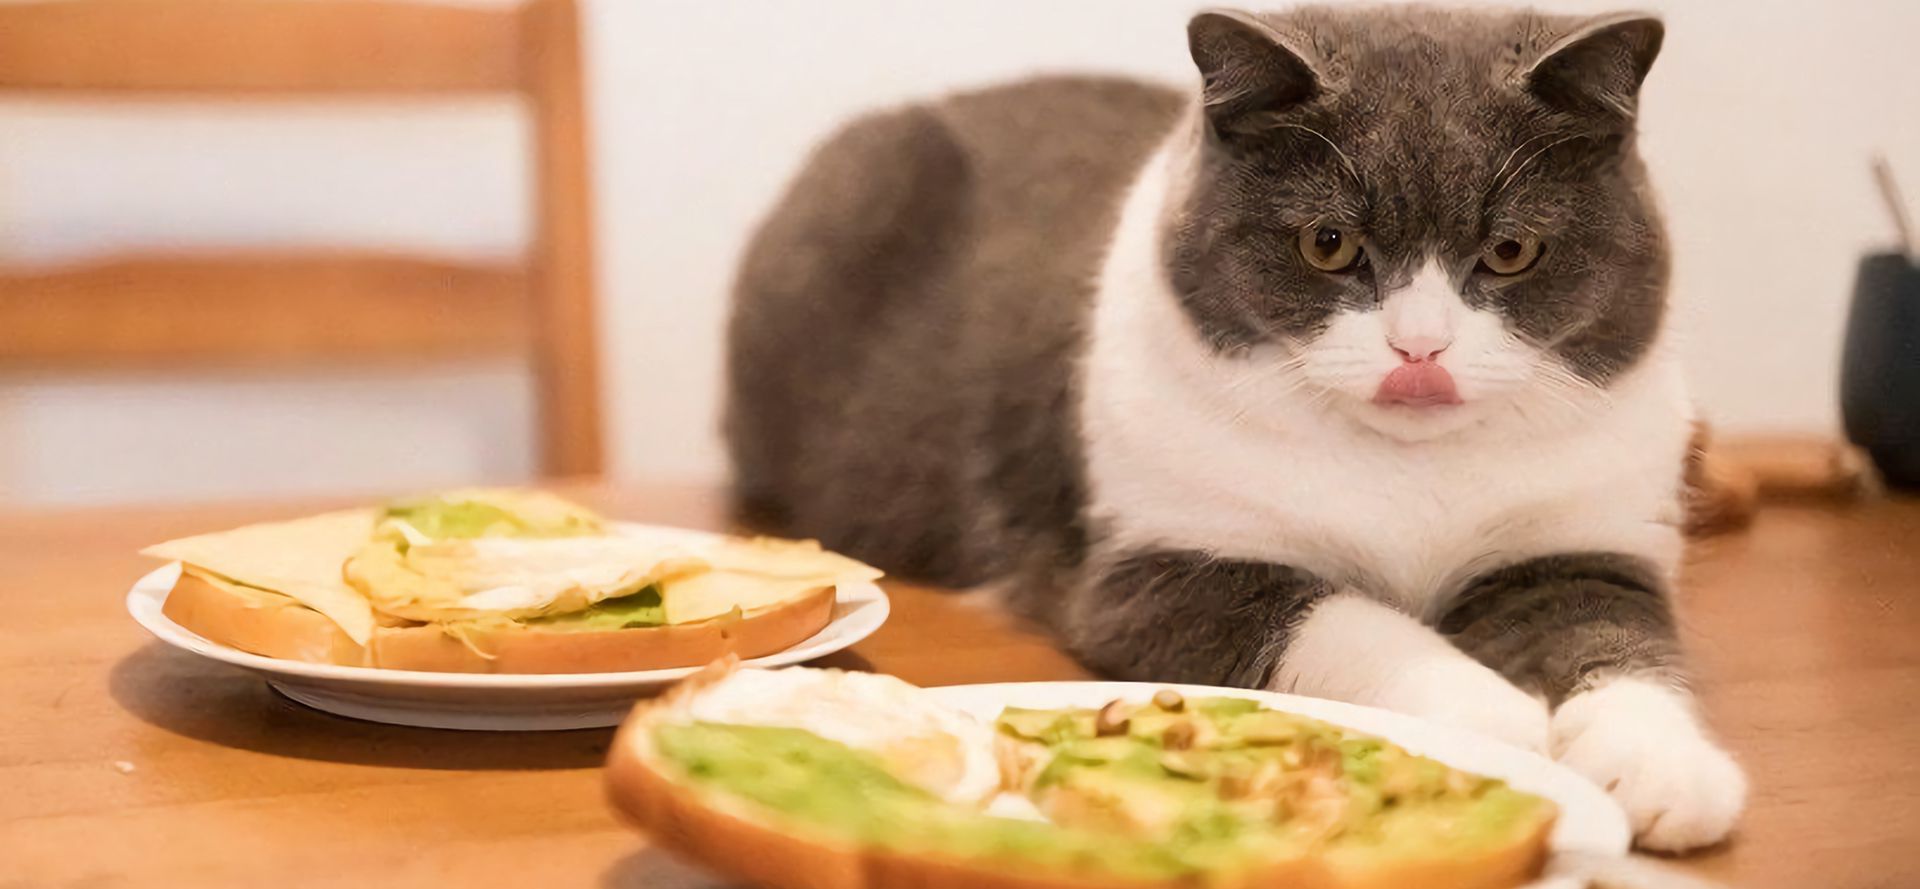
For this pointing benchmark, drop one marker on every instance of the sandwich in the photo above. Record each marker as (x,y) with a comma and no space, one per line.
(820,779)
(498,581)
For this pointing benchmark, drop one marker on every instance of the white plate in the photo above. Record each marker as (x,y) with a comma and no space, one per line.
(1591,827)
(488,701)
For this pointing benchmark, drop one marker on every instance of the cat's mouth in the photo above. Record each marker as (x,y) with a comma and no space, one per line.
(1421,384)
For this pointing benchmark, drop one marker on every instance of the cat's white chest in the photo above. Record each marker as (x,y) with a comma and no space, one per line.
(1170,469)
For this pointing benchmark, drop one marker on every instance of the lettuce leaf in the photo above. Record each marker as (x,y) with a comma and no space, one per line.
(642,609)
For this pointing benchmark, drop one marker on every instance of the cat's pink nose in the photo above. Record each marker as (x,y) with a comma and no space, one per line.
(1419,348)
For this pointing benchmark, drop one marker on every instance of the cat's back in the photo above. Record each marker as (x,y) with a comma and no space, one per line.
(1049,159)
(905,317)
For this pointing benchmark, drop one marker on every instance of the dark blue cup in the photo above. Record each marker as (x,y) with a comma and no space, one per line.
(1880,368)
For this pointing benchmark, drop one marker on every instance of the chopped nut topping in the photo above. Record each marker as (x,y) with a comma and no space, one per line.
(1178,736)
(1182,764)
(1460,783)
(1169,700)
(1112,720)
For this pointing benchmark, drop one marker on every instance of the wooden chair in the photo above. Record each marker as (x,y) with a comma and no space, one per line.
(333,306)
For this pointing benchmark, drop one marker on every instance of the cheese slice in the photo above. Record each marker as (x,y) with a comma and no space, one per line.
(302,559)
(711,594)
(751,574)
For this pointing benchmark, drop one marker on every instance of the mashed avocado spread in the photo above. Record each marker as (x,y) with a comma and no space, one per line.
(1160,769)
(847,794)
(1211,787)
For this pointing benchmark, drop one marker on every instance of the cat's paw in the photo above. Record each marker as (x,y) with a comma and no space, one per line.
(1465,694)
(1642,743)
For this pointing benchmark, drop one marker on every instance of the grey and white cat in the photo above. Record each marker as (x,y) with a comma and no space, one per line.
(1347,376)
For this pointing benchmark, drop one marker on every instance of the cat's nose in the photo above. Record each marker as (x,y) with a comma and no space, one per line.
(1413,349)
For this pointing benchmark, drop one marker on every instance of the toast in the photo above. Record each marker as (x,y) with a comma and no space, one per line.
(757,795)
(273,625)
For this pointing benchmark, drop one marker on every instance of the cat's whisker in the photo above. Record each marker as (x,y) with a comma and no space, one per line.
(1534,156)
(1570,390)
(1321,397)
(1267,373)
(1566,378)
(1513,154)
(1347,161)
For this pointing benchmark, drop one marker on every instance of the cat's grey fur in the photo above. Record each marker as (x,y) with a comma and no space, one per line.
(901,365)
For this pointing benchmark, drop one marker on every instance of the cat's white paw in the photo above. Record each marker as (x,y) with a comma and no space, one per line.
(1353,648)
(1642,743)
(1465,694)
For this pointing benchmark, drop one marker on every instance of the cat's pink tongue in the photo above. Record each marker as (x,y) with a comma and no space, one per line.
(1417,383)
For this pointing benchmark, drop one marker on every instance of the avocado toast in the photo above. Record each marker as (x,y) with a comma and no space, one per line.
(880,787)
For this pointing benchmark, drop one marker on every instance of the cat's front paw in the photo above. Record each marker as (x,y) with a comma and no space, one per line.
(1466,695)
(1642,743)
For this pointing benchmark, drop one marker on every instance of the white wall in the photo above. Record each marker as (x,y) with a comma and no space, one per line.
(1757,122)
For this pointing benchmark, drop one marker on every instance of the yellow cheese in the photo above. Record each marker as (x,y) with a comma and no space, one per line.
(750,575)
(301,559)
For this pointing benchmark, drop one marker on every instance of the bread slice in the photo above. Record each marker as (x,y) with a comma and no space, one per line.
(748,842)
(273,625)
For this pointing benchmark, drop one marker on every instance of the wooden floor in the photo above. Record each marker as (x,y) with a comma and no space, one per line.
(125,763)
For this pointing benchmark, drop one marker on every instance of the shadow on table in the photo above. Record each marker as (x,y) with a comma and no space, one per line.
(654,869)
(190,696)
(845,659)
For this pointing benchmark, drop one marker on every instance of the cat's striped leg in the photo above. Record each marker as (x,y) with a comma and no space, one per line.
(1353,648)
(1594,635)
(1180,616)
(1183,616)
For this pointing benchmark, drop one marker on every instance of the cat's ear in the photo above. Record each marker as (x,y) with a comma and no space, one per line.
(1246,68)
(1598,68)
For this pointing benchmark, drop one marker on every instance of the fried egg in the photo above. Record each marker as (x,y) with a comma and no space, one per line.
(920,741)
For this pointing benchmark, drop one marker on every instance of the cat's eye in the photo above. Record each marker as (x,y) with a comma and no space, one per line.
(1330,249)
(1510,256)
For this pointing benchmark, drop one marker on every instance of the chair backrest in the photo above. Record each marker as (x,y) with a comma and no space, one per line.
(322,306)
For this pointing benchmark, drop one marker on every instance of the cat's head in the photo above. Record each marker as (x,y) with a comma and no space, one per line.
(1429,215)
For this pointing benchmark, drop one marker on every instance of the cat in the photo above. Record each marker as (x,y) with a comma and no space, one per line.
(1346,374)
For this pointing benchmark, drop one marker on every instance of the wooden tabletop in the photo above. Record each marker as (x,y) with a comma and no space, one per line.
(126,763)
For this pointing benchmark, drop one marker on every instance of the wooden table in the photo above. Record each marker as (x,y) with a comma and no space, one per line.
(126,763)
